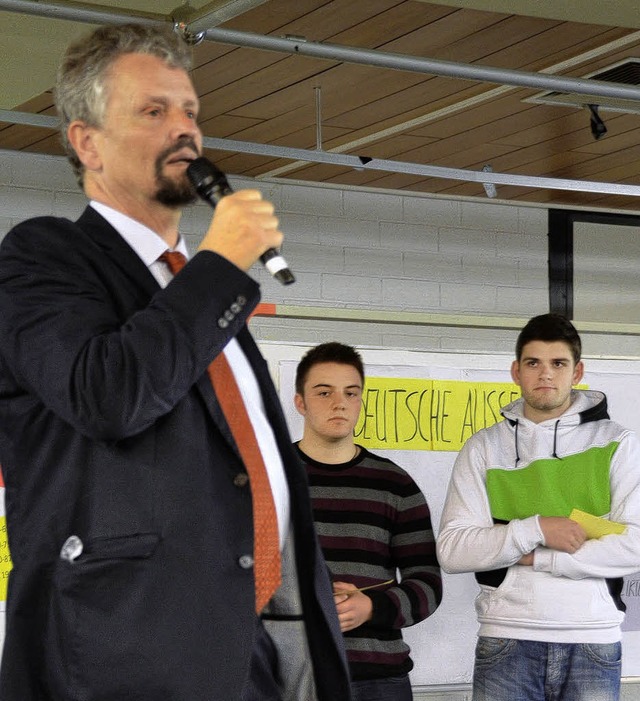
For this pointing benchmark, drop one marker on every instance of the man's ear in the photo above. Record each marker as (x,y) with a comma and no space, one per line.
(515,372)
(298,401)
(578,373)
(83,139)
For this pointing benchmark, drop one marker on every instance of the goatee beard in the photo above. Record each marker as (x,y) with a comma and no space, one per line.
(175,193)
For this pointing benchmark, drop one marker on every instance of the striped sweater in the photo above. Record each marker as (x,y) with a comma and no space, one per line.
(374,525)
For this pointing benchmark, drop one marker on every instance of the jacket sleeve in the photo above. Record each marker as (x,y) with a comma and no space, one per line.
(468,540)
(413,552)
(613,555)
(106,366)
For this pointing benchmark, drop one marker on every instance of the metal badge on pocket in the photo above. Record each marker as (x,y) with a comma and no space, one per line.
(72,549)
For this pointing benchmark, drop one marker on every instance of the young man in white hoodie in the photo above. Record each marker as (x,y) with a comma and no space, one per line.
(549,603)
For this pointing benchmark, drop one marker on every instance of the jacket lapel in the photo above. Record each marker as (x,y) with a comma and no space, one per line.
(117,249)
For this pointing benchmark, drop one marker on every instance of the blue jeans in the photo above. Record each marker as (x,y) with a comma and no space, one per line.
(387,689)
(524,670)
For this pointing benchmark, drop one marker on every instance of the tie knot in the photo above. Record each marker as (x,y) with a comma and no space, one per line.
(174,259)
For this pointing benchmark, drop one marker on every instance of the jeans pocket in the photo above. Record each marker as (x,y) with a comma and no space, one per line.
(492,650)
(605,654)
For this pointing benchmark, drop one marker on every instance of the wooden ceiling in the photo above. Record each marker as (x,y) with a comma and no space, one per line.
(294,101)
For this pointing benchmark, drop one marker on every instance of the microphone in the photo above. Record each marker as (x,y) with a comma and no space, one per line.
(211,185)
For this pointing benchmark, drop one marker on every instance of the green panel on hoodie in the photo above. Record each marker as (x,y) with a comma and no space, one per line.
(553,486)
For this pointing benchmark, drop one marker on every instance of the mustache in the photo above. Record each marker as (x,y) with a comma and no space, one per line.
(183,142)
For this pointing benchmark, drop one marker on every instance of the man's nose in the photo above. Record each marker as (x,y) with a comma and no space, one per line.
(183,125)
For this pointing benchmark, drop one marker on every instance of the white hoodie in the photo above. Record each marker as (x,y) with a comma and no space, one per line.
(508,475)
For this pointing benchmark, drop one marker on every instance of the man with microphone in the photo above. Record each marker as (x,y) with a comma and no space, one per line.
(158,517)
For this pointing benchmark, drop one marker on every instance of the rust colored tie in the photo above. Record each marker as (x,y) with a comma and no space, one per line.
(266,548)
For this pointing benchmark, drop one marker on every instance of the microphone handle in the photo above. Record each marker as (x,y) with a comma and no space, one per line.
(212,191)
(274,262)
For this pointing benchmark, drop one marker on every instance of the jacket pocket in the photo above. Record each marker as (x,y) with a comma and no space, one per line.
(96,614)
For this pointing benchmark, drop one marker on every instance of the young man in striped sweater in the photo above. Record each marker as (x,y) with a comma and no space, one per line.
(373,524)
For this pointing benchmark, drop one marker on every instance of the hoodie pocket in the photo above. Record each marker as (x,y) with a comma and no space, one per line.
(539,599)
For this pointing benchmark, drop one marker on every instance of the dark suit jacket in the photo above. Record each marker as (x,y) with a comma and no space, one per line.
(110,430)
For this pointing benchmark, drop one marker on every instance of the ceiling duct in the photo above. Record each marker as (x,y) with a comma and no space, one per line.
(626,72)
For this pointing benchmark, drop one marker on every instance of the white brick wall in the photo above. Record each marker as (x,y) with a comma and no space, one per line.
(363,250)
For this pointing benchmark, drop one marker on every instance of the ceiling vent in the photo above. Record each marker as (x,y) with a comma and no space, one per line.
(627,72)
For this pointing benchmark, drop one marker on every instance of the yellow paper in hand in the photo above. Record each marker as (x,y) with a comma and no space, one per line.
(594,526)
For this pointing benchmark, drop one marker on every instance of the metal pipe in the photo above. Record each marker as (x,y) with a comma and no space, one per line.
(29,119)
(378,164)
(318,92)
(78,12)
(345,54)
(426,171)
(487,74)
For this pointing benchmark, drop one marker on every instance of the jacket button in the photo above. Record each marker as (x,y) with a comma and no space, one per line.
(229,315)
(245,561)
(241,479)
(223,323)
(241,300)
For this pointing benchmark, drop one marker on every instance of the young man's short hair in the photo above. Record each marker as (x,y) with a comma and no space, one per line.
(550,328)
(331,352)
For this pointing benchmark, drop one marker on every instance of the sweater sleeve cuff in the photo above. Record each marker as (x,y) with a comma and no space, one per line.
(384,612)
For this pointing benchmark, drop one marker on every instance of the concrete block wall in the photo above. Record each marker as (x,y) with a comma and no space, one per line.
(396,252)
(364,250)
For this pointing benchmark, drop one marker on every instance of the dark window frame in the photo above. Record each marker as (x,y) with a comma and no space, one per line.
(560,249)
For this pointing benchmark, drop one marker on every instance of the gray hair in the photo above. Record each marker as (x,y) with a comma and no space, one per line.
(81,91)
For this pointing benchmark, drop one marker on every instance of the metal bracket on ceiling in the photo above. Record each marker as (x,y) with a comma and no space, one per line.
(489,188)
(191,38)
(181,16)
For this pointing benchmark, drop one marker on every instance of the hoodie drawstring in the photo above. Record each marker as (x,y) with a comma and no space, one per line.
(516,425)
(555,439)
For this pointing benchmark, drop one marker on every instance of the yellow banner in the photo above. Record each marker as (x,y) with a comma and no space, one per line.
(414,414)
(5,559)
